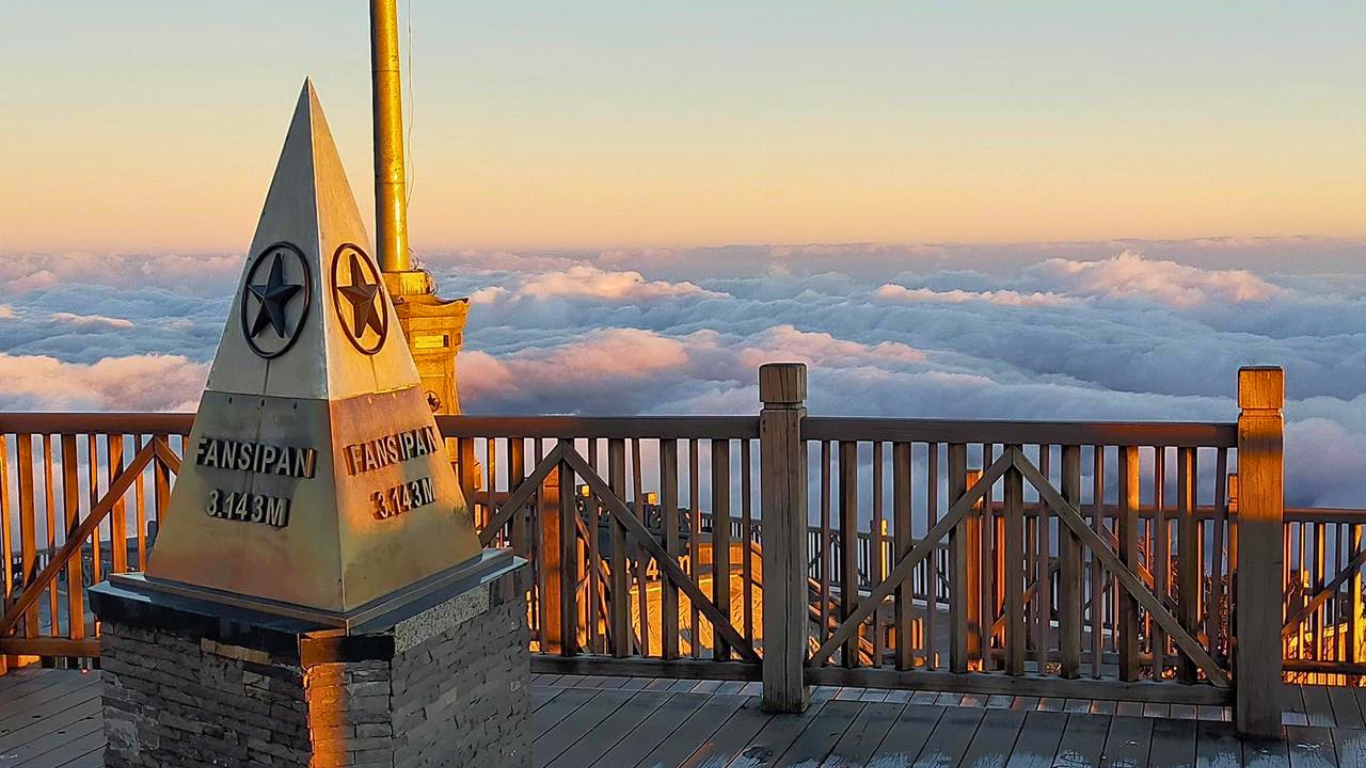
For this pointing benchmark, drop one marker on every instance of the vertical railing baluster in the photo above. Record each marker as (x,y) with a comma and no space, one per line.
(668,492)
(1188,569)
(75,578)
(642,560)
(848,509)
(827,541)
(516,472)
(118,515)
(1069,570)
(1097,572)
(747,536)
(569,564)
(1356,619)
(1159,559)
(931,561)
(1013,574)
(1341,628)
(1215,604)
(720,539)
(469,472)
(876,566)
(1126,633)
(140,506)
(1303,578)
(162,481)
(491,484)
(695,541)
(51,505)
(960,571)
(93,476)
(620,612)
(594,569)
(1043,593)
(548,554)
(1315,584)
(28,527)
(902,539)
(6,532)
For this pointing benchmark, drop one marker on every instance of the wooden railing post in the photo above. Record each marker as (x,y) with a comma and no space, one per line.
(550,565)
(782,469)
(1261,503)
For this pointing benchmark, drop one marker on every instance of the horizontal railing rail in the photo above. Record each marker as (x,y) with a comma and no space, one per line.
(1171,434)
(578,427)
(96,423)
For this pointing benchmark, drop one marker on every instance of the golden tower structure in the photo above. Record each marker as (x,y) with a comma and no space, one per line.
(433,326)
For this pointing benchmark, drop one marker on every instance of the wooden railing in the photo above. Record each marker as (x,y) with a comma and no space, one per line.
(1325,618)
(1032,593)
(1057,558)
(618,574)
(79,495)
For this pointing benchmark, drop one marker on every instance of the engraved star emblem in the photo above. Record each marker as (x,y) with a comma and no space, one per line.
(274,295)
(365,312)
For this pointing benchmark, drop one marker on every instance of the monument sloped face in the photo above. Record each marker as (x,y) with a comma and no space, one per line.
(314,477)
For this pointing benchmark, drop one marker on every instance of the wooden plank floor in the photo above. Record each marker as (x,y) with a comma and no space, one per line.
(51,719)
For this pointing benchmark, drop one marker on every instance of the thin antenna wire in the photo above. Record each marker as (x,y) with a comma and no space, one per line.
(412,112)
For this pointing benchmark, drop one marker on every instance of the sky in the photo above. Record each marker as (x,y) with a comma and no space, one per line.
(951,210)
(145,126)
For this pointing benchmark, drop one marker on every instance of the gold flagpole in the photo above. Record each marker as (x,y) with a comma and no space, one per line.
(434,327)
(391,206)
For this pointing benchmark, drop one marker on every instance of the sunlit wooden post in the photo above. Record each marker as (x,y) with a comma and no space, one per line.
(782,469)
(965,572)
(552,587)
(1357,612)
(1261,501)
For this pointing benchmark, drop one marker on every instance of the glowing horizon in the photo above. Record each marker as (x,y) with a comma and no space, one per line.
(615,126)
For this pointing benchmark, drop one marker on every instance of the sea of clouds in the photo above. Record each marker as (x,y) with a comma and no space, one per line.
(1116,330)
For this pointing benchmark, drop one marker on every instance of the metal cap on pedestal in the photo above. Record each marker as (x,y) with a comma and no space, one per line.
(314,481)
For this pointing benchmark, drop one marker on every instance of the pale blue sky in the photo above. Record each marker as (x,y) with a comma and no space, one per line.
(154,125)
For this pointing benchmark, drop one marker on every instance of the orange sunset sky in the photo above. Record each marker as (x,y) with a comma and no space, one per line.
(150,127)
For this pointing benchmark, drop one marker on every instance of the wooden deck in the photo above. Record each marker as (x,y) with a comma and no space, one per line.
(51,719)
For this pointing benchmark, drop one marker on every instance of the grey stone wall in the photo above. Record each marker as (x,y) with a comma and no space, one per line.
(461,698)
(170,702)
(451,690)
(351,711)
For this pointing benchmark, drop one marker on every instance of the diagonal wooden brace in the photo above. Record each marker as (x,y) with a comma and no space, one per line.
(519,497)
(76,537)
(1132,584)
(960,509)
(623,516)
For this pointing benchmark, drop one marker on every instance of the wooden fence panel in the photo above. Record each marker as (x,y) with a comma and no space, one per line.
(1005,574)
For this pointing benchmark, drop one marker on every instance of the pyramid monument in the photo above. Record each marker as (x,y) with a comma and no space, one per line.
(314,482)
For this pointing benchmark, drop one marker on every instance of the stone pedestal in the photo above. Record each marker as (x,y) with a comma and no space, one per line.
(441,681)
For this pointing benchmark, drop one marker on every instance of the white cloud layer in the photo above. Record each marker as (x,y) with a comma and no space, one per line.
(1005,298)
(1129,275)
(1125,330)
(75,319)
(129,383)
